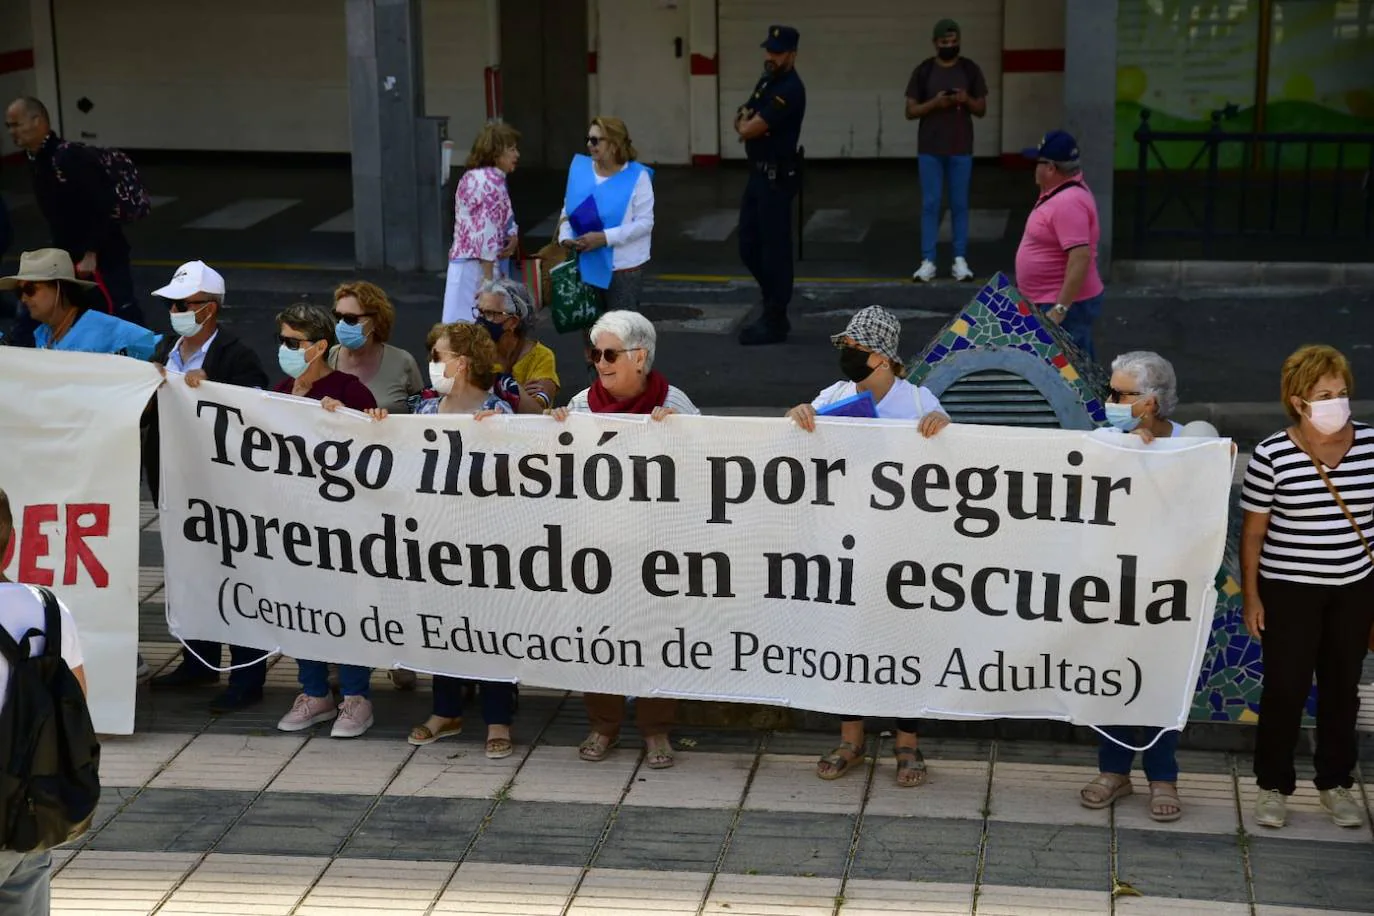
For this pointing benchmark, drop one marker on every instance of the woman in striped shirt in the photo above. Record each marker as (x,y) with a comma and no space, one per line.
(1308,588)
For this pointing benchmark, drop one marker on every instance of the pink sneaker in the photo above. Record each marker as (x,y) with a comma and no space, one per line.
(307,711)
(355,718)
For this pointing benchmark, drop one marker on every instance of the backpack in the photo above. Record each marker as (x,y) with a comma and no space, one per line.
(131,197)
(923,76)
(49,754)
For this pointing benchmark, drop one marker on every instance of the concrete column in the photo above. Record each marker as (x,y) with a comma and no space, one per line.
(1090,101)
(386,101)
(43,83)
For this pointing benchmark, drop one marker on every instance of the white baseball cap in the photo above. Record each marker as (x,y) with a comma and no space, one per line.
(192,277)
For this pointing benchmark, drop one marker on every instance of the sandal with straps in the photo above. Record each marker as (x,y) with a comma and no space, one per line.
(1104,789)
(1164,795)
(499,748)
(837,761)
(422,735)
(658,753)
(596,747)
(911,767)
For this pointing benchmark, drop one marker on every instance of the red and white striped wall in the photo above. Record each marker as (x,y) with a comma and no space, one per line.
(704,83)
(1032,74)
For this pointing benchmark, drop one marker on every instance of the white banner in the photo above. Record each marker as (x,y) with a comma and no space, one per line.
(859,569)
(69,449)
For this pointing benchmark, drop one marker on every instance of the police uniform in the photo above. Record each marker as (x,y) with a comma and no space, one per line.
(765,218)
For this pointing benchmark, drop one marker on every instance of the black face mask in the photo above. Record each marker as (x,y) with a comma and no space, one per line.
(494,329)
(854,364)
(947,53)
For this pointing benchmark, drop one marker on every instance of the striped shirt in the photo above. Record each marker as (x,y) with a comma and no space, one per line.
(1309,538)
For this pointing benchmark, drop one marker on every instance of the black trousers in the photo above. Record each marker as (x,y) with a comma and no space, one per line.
(1321,630)
(903,725)
(765,238)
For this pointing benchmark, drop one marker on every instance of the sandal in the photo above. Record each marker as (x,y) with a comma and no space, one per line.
(1164,796)
(499,748)
(1104,789)
(596,747)
(911,767)
(837,761)
(658,753)
(422,735)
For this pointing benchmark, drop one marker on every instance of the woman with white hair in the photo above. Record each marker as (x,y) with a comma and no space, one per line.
(622,351)
(1143,395)
(506,309)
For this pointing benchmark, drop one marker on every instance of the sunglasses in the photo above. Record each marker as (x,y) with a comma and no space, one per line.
(293,343)
(188,305)
(351,319)
(1116,396)
(29,290)
(594,141)
(596,354)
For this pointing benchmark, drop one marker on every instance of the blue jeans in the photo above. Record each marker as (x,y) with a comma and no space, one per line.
(934,171)
(25,882)
(1160,761)
(354,680)
(1079,323)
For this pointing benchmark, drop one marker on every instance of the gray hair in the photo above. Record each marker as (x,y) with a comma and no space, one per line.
(1154,376)
(1069,169)
(634,330)
(517,298)
(311,320)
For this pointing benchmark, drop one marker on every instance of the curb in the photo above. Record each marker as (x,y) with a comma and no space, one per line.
(1292,274)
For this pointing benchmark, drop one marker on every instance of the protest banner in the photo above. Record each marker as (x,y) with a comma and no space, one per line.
(986,572)
(69,463)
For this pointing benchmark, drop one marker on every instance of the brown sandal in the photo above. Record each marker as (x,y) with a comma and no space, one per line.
(499,748)
(837,761)
(596,747)
(1104,789)
(911,768)
(658,753)
(422,735)
(1164,795)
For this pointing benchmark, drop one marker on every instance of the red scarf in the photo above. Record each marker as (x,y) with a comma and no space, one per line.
(654,394)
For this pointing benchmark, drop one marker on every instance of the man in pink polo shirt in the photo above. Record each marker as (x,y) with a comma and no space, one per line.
(1056,265)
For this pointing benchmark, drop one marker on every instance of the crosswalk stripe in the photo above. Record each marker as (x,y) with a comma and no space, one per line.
(242,214)
(341,223)
(836,226)
(712,226)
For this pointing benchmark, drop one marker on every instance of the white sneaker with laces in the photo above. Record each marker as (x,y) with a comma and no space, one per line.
(925,273)
(1341,805)
(1271,808)
(961,271)
(355,718)
(307,711)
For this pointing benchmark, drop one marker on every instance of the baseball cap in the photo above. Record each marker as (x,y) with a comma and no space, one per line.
(875,328)
(781,39)
(190,278)
(1055,146)
(943,28)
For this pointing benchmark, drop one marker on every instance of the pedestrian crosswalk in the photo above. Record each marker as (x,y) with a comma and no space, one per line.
(243,214)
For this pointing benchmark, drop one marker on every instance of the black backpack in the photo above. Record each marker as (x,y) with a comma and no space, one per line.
(49,754)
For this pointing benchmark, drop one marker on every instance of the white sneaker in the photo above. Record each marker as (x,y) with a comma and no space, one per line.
(355,718)
(1341,805)
(961,270)
(307,711)
(925,273)
(1271,808)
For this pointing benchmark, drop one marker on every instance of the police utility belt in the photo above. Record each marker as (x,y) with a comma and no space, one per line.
(773,168)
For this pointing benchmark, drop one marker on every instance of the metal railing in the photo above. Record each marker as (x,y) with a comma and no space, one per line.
(1239,184)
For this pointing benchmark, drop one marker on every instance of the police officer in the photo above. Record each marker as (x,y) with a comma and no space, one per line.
(769,125)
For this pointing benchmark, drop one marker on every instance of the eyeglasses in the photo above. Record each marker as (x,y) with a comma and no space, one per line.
(1116,396)
(351,319)
(188,305)
(29,290)
(293,343)
(593,141)
(489,314)
(596,354)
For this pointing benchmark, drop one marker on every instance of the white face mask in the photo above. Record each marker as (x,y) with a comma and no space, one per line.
(437,380)
(1329,416)
(185,324)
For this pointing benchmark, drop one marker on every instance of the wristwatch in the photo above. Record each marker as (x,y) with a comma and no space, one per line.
(1060,309)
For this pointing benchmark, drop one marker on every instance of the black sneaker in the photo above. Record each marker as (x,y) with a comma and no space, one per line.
(185,675)
(235,698)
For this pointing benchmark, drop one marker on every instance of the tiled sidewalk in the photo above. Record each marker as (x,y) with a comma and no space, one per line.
(227,816)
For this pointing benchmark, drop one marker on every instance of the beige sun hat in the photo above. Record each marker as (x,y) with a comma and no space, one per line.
(44,266)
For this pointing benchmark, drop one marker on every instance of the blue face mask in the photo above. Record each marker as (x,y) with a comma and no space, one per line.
(292,362)
(1120,416)
(494,329)
(350,335)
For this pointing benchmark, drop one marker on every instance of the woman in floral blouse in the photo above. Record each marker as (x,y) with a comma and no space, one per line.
(484,230)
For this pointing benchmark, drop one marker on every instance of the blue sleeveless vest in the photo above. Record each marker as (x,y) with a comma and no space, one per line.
(595,208)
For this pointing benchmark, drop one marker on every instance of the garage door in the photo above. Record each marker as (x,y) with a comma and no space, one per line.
(252,75)
(855,59)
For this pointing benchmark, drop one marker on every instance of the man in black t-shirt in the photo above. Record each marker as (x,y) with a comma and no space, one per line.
(945,92)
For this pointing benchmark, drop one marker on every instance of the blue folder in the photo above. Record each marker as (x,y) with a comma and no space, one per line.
(859,405)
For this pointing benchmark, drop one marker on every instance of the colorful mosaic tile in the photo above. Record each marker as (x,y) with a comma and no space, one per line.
(999,317)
